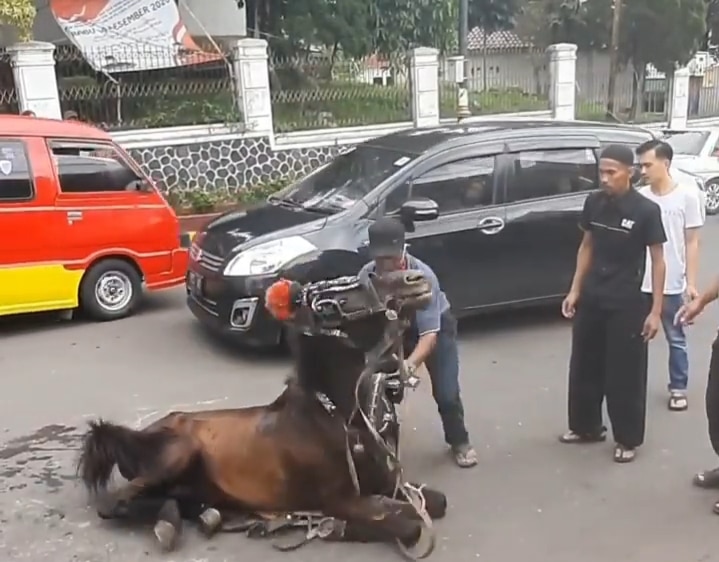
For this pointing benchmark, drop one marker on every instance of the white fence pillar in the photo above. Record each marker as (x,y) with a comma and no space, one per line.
(562,75)
(252,74)
(679,99)
(33,67)
(424,86)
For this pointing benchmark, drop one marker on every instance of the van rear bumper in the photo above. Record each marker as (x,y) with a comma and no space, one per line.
(174,277)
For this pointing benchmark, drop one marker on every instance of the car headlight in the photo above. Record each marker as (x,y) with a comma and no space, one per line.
(268,257)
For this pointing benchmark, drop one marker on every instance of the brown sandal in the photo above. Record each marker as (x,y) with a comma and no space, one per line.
(707,479)
(571,438)
(623,454)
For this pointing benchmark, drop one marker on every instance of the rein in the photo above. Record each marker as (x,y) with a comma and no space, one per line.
(391,342)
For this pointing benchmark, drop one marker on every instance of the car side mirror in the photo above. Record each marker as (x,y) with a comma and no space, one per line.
(419,209)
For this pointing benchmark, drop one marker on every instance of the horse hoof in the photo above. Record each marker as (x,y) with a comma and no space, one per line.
(210,521)
(422,547)
(166,534)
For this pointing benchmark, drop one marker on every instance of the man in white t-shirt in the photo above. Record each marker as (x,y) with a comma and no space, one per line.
(682,215)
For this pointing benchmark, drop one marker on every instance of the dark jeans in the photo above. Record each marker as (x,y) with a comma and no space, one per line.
(609,359)
(712,397)
(443,368)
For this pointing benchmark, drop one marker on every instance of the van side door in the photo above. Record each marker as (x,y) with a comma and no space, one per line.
(105,201)
(547,185)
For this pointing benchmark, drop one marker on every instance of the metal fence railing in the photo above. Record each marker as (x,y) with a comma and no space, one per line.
(8,92)
(635,100)
(317,91)
(506,81)
(175,92)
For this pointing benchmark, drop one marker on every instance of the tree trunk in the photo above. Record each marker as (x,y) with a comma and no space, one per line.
(614,56)
(633,107)
(484,60)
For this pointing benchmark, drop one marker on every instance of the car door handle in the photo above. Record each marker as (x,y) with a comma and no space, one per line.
(491,225)
(73,216)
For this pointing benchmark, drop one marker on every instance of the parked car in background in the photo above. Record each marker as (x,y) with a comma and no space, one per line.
(492,207)
(81,225)
(697,151)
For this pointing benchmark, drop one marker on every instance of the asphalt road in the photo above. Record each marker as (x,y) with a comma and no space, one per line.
(530,498)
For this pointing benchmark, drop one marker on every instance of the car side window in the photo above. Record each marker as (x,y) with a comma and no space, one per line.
(15,176)
(92,168)
(456,186)
(548,173)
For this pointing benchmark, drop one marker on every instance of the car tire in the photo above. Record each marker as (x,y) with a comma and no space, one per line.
(711,189)
(110,290)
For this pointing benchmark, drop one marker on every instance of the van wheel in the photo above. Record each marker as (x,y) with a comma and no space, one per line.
(110,290)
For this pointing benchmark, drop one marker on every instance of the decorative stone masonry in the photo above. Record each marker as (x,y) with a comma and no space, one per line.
(227,164)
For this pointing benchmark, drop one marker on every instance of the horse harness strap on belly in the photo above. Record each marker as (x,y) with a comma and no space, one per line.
(291,530)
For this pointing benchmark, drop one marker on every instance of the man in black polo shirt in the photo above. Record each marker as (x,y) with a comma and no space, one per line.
(613,321)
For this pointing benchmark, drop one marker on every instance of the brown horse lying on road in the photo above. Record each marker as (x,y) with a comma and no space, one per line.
(308,451)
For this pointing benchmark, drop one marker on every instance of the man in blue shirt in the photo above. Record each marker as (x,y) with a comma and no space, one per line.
(433,336)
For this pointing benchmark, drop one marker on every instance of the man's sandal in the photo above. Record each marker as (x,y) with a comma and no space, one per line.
(623,454)
(678,402)
(707,479)
(572,438)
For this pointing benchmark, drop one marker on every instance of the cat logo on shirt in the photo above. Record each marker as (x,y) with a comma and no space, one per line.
(627,224)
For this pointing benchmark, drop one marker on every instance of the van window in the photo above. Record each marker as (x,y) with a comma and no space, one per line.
(15,177)
(92,168)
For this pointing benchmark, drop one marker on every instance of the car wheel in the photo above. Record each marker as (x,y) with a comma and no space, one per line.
(110,290)
(712,192)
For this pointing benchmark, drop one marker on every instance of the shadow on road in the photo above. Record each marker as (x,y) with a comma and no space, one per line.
(511,320)
(40,322)
(232,350)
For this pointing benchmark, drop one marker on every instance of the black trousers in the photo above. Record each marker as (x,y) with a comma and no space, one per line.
(712,397)
(609,359)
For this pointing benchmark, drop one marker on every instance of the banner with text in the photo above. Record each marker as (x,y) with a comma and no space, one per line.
(129,35)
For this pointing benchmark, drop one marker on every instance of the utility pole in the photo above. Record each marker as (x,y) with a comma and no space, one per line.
(614,55)
(462,95)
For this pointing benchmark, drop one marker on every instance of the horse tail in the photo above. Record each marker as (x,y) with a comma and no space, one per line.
(107,444)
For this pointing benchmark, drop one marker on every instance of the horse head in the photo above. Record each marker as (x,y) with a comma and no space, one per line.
(356,310)
(339,322)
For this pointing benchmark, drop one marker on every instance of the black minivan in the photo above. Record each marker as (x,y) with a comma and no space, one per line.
(491,206)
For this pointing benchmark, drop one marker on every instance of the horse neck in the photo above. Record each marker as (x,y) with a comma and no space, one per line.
(327,365)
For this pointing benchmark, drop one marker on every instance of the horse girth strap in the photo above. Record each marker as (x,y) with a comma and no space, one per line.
(290,531)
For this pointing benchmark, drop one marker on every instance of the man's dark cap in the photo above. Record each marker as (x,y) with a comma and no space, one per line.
(619,153)
(386,238)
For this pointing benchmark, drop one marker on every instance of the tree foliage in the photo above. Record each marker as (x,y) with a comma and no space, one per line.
(493,15)
(354,27)
(20,14)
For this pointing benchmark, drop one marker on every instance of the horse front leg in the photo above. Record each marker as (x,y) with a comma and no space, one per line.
(380,519)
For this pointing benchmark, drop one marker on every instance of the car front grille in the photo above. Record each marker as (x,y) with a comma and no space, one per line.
(208,261)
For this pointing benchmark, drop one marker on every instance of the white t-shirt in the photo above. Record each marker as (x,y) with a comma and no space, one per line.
(682,208)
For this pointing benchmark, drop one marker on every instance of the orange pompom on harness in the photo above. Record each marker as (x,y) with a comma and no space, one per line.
(278,300)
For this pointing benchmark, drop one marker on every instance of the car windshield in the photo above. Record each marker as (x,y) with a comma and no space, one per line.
(345,180)
(686,142)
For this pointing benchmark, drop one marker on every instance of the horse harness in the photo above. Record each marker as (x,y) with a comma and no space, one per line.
(324,300)
(290,530)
